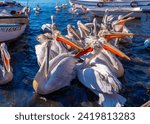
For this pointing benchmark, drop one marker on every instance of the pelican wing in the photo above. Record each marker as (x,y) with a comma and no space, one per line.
(111,100)
(61,72)
(99,81)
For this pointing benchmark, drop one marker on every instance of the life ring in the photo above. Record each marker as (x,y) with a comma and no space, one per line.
(100,4)
(134,4)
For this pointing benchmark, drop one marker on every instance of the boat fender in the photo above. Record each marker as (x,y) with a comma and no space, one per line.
(1,3)
(18,12)
(13,12)
(100,4)
(134,4)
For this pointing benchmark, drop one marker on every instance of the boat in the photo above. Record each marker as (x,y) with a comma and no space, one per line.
(111,3)
(11,31)
(14,19)
(98,7)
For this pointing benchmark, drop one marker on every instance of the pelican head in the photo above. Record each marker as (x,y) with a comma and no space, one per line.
(43,37)
(5,57)
(113,35)
(71,29)
(105,45)
(54,27)
(82,26)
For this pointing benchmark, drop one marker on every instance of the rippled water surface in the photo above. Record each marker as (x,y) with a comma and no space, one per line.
(136,81)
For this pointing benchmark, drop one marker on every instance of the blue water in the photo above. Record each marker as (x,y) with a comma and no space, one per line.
(136,81)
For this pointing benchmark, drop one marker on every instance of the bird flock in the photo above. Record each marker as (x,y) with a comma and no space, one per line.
(88,53)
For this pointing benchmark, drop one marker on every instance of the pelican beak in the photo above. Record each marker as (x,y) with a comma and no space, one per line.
(74,32)
(82,26)
(47,60)
(85,51)
(123,21)
(68,42)
(117,35)
(5,56)
(52,18)
(95,24)
(115,51)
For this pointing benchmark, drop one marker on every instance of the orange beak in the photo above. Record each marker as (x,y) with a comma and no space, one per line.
(6,62)
(115,51)
(117,35)
(85,51)
(123,21)
(68,42)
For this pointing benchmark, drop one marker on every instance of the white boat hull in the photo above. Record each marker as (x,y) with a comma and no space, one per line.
(137,12)
(116,8)
(112,4)
(10,32)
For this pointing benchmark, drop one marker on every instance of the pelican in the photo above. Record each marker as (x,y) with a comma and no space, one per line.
(56,73)
(110,23)
(50,28)
(64,6)
(56,48)
(110,59)
(94,27)
(84,31)
(58,8)
(6,74)
(78,9)
(74,36)
(99,78)
(110,36)
(119,26)
(37,9)
(46,28)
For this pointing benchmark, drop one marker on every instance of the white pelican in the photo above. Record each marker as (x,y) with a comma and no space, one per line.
(46,28)
(56,48)
(56,73)
(50,28)
(64,6)
(84,31)
(59,73)
(37,9)
(111,36)
(94,27)
(6,74)
(109,59)
(100,79)
(58,8)
(119,26)
(105,56)
(74,36)
(78,9)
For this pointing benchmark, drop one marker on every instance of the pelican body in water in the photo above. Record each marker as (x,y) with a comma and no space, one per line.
(100,79)
(58,72)
(6,74)
(54,74)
